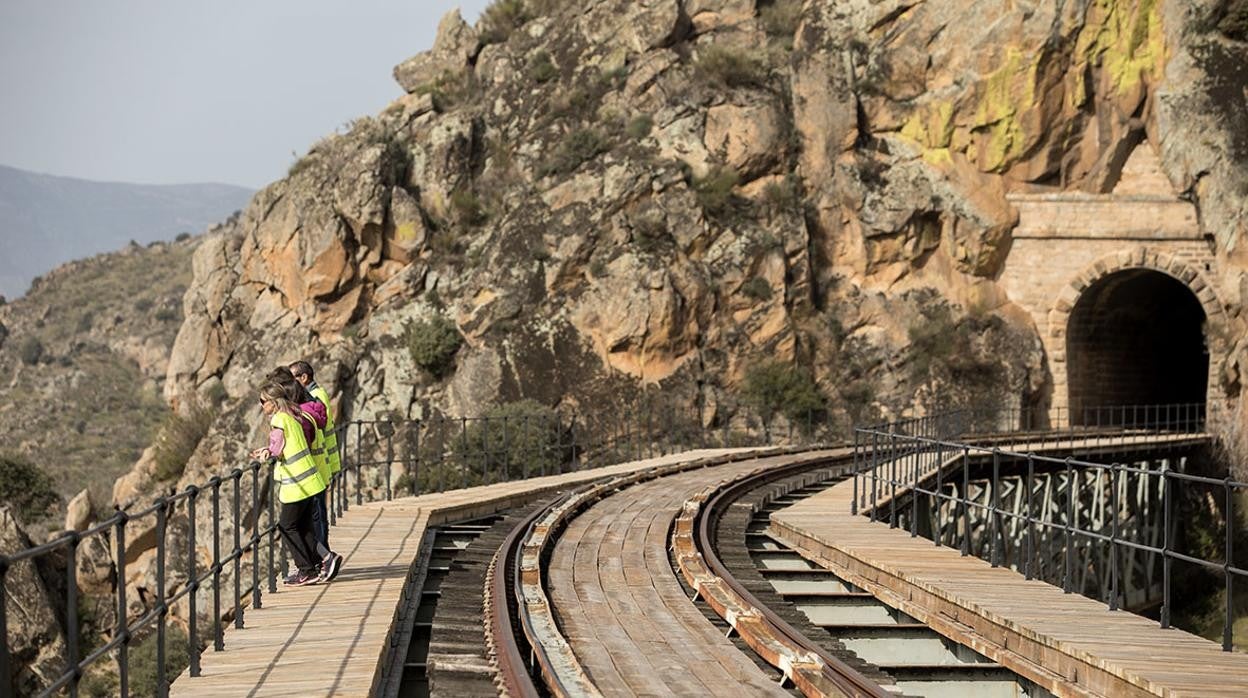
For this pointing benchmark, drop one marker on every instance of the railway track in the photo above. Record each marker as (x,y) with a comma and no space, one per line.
(522,636)
(862,645)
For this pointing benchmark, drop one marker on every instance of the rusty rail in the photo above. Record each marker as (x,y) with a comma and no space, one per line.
(803,663)
(526,550)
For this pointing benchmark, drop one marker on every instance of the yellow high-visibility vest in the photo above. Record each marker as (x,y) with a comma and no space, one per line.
(331,436)
(318,450)
(295,472)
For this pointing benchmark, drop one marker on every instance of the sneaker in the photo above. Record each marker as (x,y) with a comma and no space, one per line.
(290,578)
(302,579)
(330,566)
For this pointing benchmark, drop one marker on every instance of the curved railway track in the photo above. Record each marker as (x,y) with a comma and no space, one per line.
(711,525)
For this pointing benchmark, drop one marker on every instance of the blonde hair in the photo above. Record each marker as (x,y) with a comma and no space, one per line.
(277,395)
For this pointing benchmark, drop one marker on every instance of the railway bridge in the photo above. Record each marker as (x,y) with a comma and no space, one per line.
(967,553)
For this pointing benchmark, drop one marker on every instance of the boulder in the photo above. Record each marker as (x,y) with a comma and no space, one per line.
(457,43)
(78,514)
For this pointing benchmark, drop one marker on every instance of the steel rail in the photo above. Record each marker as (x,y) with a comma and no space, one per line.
(503,642)
(703,517)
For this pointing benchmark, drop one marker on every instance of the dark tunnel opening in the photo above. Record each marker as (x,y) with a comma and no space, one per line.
(1135,338)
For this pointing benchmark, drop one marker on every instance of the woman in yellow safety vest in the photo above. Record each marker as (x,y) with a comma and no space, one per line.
(297,481)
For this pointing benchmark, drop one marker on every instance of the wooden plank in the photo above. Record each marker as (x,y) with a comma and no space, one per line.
(624,612)
(329,639)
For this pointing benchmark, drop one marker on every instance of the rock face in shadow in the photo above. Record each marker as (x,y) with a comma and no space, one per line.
(33,592)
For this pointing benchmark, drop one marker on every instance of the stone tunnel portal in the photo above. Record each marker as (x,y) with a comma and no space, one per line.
(1136,337)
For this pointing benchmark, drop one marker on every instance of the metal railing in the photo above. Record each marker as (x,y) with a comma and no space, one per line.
(434,455)
(896,464)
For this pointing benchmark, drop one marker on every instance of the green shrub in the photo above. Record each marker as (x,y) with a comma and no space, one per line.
(4,332)
(774,388)
(598,268)
(542,69)
(433,344)
(143,305)
(579,147)
(757,288)
(182,237)
(515,438)
(1234,23)
(640,127)
(715,191)
(450,90)
(142,655)
(780,20)
(30,351)
(582,102)
(501,19)
(783,196)
(26,489)
(178,438)
(729,67)
(469,209)
(167,315)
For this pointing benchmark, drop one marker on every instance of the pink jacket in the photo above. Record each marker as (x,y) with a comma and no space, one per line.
(277,440)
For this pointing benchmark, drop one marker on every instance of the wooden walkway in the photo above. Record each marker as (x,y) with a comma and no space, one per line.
(622,609)
(1067,643)
(328,640)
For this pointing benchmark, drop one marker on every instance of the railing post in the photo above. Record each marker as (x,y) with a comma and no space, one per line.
(256,601)
(875,482)
(273,530)
(162,610)
(1031,527)
(1068,530)
(71,614)
(359,461)
(123,625)
(344,500)
(914,493)
(937,530)
(995,512)
(389,459)
(506,451)
(1166,498)
(1228,562)
(237,476)
(853,504)
(192,638)
(218,642)
(1114,582)
(892,479)
(966,501)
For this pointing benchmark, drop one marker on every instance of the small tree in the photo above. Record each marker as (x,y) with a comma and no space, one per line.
(30,351)
(26,489)
(433,344)
(775,388)
(515,438)
(178,438)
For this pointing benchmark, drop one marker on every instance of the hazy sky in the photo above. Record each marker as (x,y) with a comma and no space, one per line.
(171,91)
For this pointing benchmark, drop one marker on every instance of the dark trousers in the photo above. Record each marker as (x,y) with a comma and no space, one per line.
(297,524)
(322,525)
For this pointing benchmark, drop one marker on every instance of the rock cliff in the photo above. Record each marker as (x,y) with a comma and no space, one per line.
(627,194)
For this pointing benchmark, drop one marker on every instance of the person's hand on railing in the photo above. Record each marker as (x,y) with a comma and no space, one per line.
(262,454)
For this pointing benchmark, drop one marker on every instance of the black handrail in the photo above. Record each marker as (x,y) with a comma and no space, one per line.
(933,445)
(437,453)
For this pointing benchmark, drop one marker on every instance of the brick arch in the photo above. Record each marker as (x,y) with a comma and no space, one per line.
(1138,258)
(1217,323)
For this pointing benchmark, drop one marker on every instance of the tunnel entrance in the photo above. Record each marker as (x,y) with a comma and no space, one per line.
(1135,337)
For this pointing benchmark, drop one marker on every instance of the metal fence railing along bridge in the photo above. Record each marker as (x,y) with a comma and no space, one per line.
(941,476)
(233,517)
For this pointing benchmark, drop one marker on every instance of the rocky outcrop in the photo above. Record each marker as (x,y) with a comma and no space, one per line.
(665,192)
(35,639)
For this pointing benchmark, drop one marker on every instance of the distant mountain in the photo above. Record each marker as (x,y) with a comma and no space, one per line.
(46,221)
